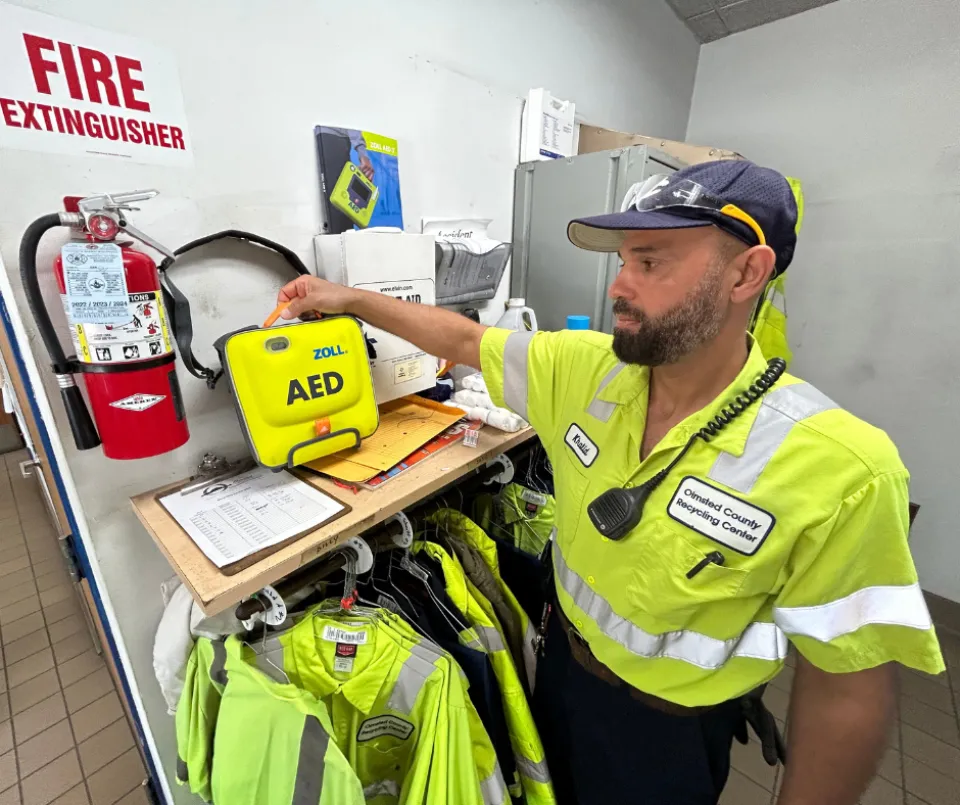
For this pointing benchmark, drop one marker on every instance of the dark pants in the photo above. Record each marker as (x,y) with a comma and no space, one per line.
(606,748)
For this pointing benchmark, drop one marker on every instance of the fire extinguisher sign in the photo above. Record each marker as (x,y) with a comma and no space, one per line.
(72,89)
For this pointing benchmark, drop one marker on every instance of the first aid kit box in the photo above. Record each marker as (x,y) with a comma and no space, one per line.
(397,264)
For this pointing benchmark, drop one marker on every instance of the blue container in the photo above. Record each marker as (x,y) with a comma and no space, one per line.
(578,322)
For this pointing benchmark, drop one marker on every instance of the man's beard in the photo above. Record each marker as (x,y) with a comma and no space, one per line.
(675,334)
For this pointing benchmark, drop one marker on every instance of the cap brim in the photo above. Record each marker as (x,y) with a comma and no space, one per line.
(604,233)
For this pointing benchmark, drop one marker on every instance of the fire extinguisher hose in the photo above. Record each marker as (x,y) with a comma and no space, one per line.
(81,424)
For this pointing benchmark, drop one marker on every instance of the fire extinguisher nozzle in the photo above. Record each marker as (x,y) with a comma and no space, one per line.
(85,434)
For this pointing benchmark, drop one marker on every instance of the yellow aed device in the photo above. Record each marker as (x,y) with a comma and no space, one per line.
(302,391)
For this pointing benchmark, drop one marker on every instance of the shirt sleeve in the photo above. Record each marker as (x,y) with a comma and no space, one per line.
(852,600)
(525,373)
(195,720)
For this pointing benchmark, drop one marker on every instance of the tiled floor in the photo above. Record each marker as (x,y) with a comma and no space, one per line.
(922,763)
(64,738)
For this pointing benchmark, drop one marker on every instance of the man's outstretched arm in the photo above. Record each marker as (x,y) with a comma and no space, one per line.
(435,330)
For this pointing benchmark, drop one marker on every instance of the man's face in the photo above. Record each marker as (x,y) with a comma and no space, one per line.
(671,296)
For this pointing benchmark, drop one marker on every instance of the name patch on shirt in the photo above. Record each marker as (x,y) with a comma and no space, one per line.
(333,634)
(384,725)
(721,517)
(582,445)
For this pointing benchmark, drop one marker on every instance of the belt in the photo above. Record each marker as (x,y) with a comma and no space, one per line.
(585,659)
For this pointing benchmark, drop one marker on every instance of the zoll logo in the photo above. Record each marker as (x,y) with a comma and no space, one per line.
(328,352)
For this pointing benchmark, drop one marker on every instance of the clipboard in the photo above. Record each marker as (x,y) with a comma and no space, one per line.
(198,487)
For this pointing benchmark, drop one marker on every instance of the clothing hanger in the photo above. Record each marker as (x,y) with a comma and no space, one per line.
(420,573)
(262,653)
(539,461)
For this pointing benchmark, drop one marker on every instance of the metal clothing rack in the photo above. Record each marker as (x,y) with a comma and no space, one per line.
(381,539)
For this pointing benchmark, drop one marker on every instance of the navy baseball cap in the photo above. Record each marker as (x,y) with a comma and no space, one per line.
(762,193)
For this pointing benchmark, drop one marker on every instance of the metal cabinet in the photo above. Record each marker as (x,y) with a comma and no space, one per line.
(555,277)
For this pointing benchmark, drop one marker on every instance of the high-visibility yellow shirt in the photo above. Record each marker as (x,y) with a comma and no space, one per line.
(527,515)
(271,741)
(399,711)
(807,505)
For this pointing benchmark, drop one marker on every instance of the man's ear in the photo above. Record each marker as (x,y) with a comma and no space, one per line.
(758,264)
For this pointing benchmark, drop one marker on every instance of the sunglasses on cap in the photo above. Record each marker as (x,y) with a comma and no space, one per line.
(687,194)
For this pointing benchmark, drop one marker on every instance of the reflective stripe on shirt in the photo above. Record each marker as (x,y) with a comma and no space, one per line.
(490,638)
(493,788)
(780,410)
(601,409)
(218,671)
(538,772)
(413,674)
(893,606)
(313,748)
(762,641)
(515,386)
(529,651)
(779,301)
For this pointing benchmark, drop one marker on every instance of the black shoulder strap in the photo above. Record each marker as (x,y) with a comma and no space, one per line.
(178,307)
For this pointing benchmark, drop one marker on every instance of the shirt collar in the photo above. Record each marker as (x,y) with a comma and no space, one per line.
(631,386)
(733,437)
(312,656)
(514,508)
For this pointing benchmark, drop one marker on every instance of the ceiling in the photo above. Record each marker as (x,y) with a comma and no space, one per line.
(714,19)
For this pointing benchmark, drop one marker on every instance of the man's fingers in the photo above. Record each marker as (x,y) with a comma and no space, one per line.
(296,307)
(291,290)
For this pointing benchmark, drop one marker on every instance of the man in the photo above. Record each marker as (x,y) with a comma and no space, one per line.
(786,521)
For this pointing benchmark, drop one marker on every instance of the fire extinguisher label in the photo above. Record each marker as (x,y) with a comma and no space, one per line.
(143,334)
(138,402)
(95,283)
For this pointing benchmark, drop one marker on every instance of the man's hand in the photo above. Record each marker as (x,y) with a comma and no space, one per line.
(838,731)
(307,294)
(435,330)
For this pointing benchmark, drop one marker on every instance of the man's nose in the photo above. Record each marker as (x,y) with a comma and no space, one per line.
(621,288)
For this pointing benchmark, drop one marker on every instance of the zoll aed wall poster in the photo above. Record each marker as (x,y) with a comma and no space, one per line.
(71,89)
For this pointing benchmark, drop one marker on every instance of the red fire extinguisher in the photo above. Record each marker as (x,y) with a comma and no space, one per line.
(119,328)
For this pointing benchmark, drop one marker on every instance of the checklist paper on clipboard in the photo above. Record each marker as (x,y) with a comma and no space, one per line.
(241,515)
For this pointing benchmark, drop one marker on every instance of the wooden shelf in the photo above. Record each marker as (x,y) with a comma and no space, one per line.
(215,592)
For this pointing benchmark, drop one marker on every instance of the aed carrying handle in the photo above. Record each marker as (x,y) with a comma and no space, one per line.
(178,307)
(81,424)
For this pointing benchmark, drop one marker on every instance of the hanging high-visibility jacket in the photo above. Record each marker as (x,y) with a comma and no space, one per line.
(399,711)
(770,323)
(524,515)
(528,750)
(223,695)
(460,527)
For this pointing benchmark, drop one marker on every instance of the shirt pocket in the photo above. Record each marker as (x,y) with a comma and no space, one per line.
(658,585)
(571,482)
